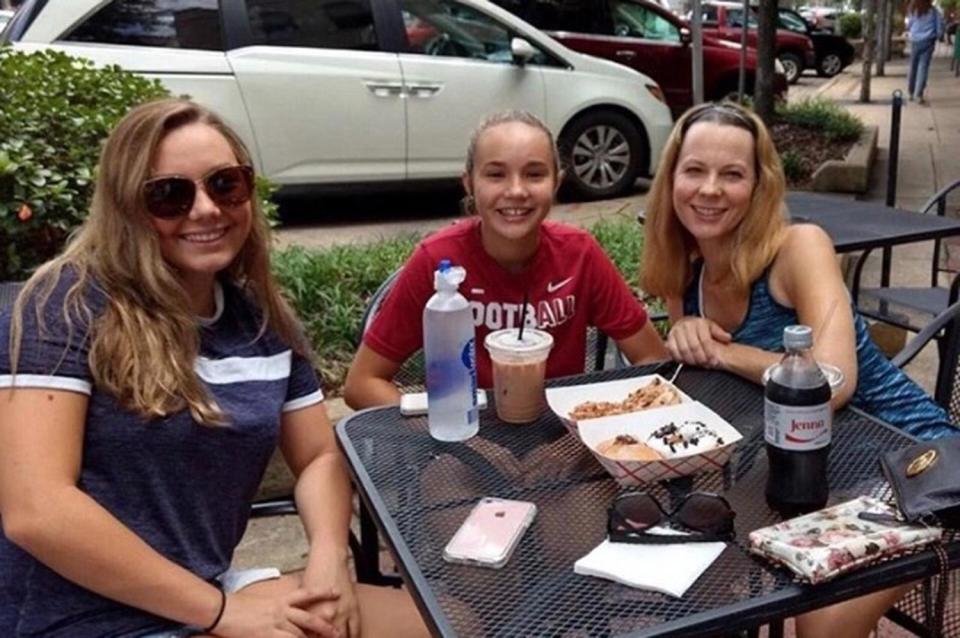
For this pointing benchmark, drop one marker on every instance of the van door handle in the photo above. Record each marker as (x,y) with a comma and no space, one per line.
(385,89)
(424,89)
(626,54)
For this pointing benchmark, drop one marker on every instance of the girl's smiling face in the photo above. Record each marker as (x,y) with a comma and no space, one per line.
(714,179)
(513,183)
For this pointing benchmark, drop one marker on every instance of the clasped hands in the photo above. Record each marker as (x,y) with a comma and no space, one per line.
(699,342)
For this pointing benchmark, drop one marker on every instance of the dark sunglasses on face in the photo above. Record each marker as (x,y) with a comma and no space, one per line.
(707,516)
(173,196)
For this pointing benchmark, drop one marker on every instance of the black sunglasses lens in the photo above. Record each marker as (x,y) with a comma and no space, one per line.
(169,196)
(637,512)
(230,186)
(705,513)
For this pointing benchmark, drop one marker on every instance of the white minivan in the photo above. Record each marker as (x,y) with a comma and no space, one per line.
(341,92)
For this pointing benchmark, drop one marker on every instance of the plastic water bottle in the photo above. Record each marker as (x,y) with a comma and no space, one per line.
(797,420)
(449,348)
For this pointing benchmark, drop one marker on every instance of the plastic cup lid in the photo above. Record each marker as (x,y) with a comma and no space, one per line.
(508,341)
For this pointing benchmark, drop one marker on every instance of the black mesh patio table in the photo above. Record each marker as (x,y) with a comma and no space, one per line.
(420,490)
(855,225)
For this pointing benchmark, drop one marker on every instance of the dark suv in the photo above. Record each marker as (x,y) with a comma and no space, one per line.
(646,37)
(834,53)
(725,20)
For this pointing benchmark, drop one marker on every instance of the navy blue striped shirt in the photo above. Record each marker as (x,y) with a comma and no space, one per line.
(883,390)
(184,488)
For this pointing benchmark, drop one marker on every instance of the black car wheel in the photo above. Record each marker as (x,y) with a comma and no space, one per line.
(602,154)
(792,66)
(829,65)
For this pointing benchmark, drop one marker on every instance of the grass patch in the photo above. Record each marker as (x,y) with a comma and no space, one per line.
(834,121)
(331,288)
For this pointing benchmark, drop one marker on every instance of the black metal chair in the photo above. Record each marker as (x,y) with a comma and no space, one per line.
(914,609)
(910,307)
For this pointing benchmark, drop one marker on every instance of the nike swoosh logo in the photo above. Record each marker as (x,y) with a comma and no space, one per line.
(557,286)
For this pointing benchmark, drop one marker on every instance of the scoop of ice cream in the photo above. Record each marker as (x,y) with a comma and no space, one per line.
(689,437)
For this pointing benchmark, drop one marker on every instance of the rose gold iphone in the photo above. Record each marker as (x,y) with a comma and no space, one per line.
(491,532)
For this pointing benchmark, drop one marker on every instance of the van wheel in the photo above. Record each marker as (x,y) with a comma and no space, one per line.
(792,66)
(602,152)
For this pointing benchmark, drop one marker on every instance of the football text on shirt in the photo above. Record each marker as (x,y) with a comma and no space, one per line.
(543,314)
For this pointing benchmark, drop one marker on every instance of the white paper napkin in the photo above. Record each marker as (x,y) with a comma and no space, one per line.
(669,569)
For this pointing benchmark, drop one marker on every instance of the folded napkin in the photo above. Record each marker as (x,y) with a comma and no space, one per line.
(669,569)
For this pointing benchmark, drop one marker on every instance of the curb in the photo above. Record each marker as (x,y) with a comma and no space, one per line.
(852,173)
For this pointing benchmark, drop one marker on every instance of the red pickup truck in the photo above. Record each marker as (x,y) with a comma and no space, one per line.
(724,20)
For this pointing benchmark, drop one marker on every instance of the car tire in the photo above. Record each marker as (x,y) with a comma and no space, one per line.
(602,153)
(830,65)
(792,66)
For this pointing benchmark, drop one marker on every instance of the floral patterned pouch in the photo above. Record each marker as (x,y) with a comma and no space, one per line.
(829,542)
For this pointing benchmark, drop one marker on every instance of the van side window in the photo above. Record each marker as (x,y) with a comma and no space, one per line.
(636,21)
(450,29)
(321,24)
(173,24)
(709,15)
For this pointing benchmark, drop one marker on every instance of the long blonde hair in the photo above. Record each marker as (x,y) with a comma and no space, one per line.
(669,249)
(144,344)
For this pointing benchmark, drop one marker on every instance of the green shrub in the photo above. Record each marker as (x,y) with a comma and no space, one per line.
(622,239)
(816,113)
(793,166)
(56,110)
(330,290)
(851,26)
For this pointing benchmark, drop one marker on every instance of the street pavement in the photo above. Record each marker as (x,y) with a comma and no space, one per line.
(928,160)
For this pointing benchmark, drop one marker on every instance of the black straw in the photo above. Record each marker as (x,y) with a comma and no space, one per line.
(523,314)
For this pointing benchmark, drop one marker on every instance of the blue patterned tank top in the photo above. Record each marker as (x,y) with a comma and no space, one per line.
(883,390)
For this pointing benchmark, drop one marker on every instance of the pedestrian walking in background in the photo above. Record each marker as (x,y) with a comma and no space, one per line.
(924,27)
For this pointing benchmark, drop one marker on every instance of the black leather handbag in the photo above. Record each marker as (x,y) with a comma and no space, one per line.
(926,485)
(926,481)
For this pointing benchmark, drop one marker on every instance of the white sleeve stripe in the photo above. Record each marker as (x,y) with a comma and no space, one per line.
(303,402)
(244,369)
(45,381)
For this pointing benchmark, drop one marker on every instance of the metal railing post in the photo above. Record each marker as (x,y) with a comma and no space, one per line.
(892,164)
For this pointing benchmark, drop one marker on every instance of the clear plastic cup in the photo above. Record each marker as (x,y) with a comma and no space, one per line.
(834,375)
(519,368)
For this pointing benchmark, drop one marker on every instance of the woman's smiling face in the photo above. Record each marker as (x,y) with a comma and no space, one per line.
(713,180)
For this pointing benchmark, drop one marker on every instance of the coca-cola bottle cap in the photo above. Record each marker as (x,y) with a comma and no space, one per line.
(797,337)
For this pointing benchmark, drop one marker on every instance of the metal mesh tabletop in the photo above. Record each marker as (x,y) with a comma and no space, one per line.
(421,490)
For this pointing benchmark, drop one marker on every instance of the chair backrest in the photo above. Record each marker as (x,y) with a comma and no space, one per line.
(947,324)
(600,352)
(946,252)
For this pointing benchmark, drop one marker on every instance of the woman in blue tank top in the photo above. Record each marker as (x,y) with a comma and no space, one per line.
(719,250)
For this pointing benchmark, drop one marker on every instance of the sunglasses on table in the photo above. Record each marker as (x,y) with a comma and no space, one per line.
(173,196)
(708,517)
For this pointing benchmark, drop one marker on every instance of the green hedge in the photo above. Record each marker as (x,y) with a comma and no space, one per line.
(819,114)
(330,289)
(851,26)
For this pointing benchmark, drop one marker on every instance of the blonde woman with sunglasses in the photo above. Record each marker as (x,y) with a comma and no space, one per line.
(146,376)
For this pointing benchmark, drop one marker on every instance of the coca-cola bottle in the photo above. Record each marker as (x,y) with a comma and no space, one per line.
(797,419)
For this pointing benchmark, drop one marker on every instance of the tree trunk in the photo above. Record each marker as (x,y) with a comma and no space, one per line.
(880,49)
(766,53)
(869,38)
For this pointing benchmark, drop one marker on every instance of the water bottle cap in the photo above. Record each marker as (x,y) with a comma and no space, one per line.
(448,277)
(444,265)
(797,337)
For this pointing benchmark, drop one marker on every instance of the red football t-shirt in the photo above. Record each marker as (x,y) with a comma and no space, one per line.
(572,285)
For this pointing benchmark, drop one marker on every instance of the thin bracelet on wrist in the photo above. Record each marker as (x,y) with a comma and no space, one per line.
(223,605)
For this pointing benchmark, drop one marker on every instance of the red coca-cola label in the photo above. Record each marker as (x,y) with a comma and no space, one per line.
(799,428)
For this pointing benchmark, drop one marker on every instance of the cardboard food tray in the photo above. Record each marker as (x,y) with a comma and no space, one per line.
(640,425)
(563,400)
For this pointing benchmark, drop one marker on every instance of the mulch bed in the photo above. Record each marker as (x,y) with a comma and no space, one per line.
(811,146)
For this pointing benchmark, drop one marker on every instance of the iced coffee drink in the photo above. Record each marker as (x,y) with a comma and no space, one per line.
(519,367)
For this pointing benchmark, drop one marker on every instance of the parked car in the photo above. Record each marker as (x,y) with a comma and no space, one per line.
(646,37)
(822,18)
(725,20)
(346,92)
(834,53)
